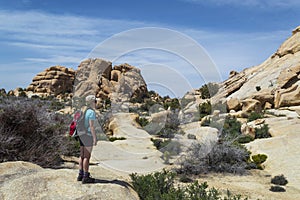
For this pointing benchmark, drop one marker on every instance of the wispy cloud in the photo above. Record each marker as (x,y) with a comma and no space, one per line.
(251,3)
(38,40)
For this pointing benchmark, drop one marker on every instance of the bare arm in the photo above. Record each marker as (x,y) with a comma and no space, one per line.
(92,127)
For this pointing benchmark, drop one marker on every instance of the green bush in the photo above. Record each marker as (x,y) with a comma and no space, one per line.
(172,103)
(259,159)
(229,129)
(262,132)
(204,109)
(148,103)
(254,115)
(160,143)
(209,90)
(242,139)
(142,121)
(160,185)
(112,139)
(279,180)
(107,103)
(154,186)
(277,188)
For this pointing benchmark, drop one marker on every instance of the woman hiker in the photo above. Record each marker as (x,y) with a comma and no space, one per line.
(87,141)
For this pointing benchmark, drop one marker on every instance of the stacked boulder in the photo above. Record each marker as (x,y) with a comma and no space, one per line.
(56,80)
(93,76)
(118,83)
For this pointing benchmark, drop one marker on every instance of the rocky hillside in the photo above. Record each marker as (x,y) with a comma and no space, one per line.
(273,84)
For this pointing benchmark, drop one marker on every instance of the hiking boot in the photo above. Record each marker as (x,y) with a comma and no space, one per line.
(79,177)
(88,179)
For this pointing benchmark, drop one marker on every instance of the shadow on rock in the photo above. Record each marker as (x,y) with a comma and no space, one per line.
(117,182)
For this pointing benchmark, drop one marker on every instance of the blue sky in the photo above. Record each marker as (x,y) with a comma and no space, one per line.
(234,34)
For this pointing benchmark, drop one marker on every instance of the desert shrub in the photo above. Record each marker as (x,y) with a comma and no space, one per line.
(173,147)
(107,103)
(142,121)
(30,131)
(204,109)
(220,157)
(185,179)
(154,186)
(209,90)
(191,136)
(229,129)
(279,180)
(254,115)
(172,103)
(242,139)
(148,103)
(259,159)
(277,188)
(22,93)
(262,132)
(160,143)
(112,139)
(160,185)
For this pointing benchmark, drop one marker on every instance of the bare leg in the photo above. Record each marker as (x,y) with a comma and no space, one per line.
(81,157)
(86,159)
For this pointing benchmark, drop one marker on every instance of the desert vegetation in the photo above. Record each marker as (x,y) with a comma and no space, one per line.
(278,183)
(161,185)
(223,157)
(209,90)
(31,131)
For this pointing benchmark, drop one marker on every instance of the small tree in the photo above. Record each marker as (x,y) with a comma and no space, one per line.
(262,132)
(204,109)
(209,90)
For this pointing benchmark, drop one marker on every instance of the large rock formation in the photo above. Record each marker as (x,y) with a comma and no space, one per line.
(93,76)
(89,76)
(53,81)
(120,83)
(23,180)
(274,83)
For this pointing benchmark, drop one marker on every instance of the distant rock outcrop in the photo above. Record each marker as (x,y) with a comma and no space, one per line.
(93,76)
(275,83)
(118,83)
(53,81)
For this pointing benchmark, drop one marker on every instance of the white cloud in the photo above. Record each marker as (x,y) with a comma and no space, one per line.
(66,40)
(251,3)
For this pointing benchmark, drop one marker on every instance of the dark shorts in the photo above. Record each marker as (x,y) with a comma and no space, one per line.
(86,140)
